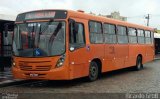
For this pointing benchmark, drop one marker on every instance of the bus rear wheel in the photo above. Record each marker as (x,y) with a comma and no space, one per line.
(139,64)
(93,71)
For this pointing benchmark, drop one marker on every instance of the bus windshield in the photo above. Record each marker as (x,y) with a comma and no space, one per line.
(39,39)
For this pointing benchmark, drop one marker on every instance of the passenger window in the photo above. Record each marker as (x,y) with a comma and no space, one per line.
(122,34)
(141,38)
(96,35)
(148,37)
(132,35)
(109,33)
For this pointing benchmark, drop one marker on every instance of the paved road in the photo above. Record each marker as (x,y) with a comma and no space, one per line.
(122,81)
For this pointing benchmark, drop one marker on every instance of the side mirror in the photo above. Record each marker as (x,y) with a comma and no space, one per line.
(72,49)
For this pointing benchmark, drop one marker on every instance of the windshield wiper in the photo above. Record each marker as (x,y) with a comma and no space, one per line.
(44,29)
(54,34)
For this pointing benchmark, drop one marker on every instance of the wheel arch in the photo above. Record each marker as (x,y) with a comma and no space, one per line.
(140,55)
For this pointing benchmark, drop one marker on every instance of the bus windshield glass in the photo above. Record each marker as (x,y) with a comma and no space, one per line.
(39,39)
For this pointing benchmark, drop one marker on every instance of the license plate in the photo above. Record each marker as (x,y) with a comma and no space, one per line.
(33,75)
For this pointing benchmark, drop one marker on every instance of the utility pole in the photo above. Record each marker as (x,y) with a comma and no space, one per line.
(147,17)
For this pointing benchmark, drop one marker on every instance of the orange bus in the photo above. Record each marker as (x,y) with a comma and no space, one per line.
(65,44)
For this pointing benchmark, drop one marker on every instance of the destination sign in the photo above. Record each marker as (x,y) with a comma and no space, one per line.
(39,15)
(44,14)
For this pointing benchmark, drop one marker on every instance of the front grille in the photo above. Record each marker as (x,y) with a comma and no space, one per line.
(26,68)
(35,66)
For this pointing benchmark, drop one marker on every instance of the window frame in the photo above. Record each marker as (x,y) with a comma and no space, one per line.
(95,32)
(105,23)
(121,34)
(141,36)
(84,35)
(109,24)
(146,31)
(132,35)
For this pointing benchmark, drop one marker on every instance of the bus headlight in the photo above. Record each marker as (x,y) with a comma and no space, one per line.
(60,61)
(13,64)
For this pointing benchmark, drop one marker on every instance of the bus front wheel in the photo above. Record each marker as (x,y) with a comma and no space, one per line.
(93,71)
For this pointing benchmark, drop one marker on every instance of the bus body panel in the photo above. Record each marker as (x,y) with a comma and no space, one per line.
(133,53)
(149,53)
(76,65)
(109,58)
(121,55)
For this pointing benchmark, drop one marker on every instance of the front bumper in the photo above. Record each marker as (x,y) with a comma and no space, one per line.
(53,74)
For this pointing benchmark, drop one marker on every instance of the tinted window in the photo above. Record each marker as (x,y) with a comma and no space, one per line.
(121,30)
(147,34)
(140,33)
(122,34)
(141,38)
(148,37)
(109,33)
(109,29)
(95,32)
(132,32)
(132,35)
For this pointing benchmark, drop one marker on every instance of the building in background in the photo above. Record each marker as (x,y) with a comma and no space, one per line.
(115,15)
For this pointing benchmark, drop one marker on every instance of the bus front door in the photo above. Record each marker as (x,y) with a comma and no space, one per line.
(78,53)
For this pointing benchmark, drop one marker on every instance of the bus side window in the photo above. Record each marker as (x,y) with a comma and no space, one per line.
(122,35)
(110,33)
(96,35)
(77,40)
(141,38)
(148,37)
(132,34)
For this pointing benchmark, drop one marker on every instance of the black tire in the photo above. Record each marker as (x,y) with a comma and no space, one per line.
(139,64)
(93,71)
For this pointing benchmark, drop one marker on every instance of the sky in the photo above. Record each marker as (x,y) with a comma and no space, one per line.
(134,10)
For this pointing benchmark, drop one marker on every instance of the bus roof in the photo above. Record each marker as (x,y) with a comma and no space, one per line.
(82,15)
(105,19)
